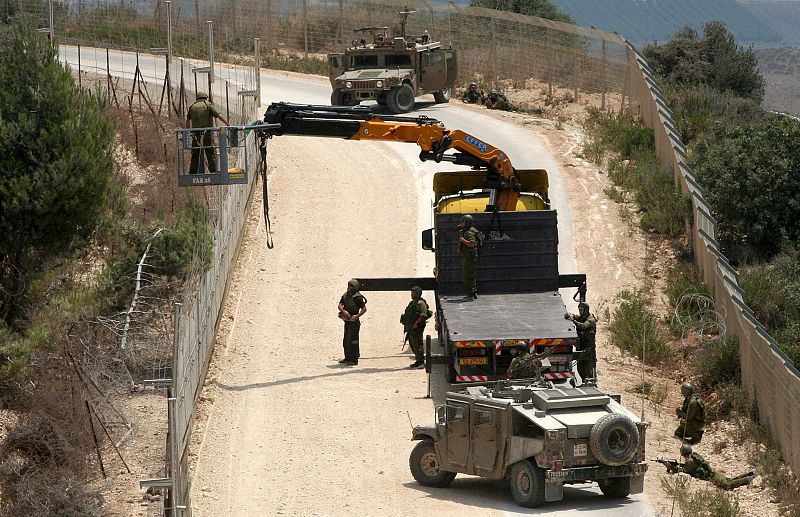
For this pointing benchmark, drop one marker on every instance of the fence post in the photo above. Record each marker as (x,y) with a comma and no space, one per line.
(210,55)
(605,77)
(305,28)
(257,46)
(80,84)
(341,26)
(169,33)
(52,31)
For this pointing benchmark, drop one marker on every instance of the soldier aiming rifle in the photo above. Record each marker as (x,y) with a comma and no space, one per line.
(697,467)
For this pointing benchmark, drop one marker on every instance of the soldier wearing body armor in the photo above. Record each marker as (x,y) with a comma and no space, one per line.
(698,468)
(352,306)
(692,415)
(586,325)
(473,95)
(498,101)
(468,249)
(202,114)
(527,365)
(414,319)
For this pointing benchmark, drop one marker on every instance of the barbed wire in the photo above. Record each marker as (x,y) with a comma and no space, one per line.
(696,314)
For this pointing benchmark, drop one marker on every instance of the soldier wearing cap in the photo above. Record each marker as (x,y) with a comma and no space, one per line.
(586,325)
(202,114)
(699,468)
(352,306)
(468,249)
(692,415)
(473,95)
(414,319)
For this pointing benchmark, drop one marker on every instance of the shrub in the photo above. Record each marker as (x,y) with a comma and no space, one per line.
(634,328)
(705,502)
(696,108)
(718,363)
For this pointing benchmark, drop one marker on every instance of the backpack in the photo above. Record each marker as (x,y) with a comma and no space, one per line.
(430,312)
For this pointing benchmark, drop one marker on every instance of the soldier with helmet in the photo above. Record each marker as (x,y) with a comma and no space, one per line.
(468,237)
(202,114)
(526,365)
(586,325)
(414,319)
(692,415)
(699,468)
(473,95)
(498,101)
(352,306)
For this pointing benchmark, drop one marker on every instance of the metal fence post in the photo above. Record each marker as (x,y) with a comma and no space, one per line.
(52,31)
(305,28)
(169,32)
(210,53)
(257,46)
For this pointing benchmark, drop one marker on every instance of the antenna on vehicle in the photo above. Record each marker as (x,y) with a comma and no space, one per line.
(403,18)
(409,420)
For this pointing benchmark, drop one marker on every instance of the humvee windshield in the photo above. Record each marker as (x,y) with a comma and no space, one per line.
(365,61)
(397,60)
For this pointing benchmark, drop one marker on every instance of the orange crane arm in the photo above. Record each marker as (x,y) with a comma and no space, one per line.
(429,134)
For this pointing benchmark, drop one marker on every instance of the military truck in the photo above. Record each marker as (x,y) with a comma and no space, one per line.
(537,436)
(392,70)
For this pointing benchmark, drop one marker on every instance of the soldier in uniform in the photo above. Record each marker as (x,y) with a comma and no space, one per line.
(468,249)
(692,415)
(202,114)
(352,306)
(527,365)
(586,325)
(414,319)
(473,95)
(698,468)
(498,101)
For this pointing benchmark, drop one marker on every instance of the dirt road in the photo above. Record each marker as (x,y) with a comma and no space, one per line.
(291,432)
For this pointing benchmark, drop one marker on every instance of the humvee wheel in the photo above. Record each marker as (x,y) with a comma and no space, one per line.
(615,487)
(426,467)
(401,99)
(381,99)
(443,96)
(614,439)
(527,484)
(337,97)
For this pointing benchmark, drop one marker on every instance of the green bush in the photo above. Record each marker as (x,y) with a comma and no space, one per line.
(705,502)
(749,175)
(620,133)
(772,291)
(697,108)
(634,328)
(715,59)
(718,363)
(540,8)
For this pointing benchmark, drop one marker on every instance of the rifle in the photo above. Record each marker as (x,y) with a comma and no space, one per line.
(672,465)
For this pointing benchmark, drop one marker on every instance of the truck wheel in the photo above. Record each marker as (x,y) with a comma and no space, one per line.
(615,487)
(614,439)
(426,466)
(401,98)
(527,484)
(336,97)
(443,96)
(381,99)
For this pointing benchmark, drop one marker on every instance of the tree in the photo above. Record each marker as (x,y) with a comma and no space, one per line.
(55,161)
(541,8)
(715,60)
(750,175)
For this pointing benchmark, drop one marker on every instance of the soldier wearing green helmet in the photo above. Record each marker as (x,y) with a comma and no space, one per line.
(697,467)
(468,249)
(352,306)
(586,325)
(692,415)
(202,114)
(414,319)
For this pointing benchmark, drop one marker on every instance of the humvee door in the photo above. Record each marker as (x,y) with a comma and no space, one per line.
(485,446)
(457,433)
(433,69)
(336,65)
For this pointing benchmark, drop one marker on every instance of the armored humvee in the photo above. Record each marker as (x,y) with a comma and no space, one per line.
(392,70)
(537,436)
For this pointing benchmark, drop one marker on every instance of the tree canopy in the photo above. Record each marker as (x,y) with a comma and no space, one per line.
(715,59)
(541,8)
(55,159)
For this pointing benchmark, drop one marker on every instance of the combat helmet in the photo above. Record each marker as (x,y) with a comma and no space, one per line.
(417,289)
(201,95)
(355,283)
(687,389)
(686,449)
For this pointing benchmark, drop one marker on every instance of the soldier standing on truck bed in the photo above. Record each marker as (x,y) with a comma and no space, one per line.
(414,319)
(202,114)
(586,325)
(352,306)
(692,415)
(468,249)
(698,468)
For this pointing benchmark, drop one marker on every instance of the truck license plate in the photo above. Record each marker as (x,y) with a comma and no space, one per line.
(579,450)
(474,360)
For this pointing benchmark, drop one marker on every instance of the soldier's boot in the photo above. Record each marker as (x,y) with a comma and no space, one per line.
(695,438)
(419,363)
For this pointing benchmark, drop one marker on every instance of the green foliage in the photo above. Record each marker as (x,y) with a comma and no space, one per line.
(683,278)
(309,65)
(634,328)
(715,59)
(704,502)
(718,363)
(541,8)
(772,290)
(56,157)
(750,177)
(621,133)
(696,108)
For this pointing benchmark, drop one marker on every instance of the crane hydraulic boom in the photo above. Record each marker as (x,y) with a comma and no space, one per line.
(359,123)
